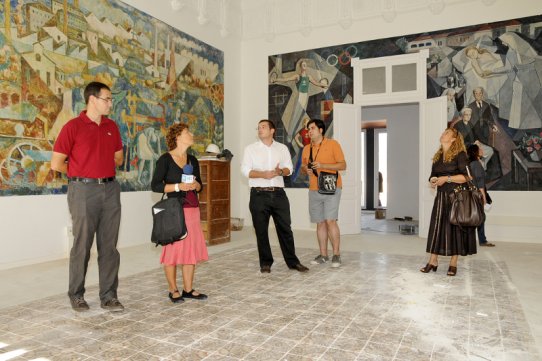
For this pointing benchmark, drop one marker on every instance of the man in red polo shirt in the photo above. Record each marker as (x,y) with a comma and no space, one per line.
(88,149)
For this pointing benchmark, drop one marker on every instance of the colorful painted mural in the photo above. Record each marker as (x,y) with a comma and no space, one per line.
(494,70)
(49,51)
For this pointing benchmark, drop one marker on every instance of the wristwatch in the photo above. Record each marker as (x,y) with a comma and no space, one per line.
(449,180)
(177,187)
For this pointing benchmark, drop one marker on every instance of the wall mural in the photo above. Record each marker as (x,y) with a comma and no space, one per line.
(500,62)
(49,51)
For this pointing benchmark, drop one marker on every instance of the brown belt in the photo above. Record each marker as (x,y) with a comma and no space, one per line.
(266,189)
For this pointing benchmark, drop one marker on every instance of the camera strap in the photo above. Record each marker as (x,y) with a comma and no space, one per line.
(318,151)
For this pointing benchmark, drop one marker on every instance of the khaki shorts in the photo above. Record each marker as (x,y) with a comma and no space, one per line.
(324,206)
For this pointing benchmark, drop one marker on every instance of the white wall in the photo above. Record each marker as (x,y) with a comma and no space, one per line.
(403,161)
(33,228)
(515,215)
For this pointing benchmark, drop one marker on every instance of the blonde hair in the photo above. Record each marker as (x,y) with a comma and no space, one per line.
(457,146)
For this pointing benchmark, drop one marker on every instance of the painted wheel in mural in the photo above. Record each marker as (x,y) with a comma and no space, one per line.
(216,93)
(21,159)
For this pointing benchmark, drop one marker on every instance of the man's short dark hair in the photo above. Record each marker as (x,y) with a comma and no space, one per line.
(271,124)
(94,88)
(319,124)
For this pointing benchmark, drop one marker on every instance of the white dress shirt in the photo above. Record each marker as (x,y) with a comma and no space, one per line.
(260,157)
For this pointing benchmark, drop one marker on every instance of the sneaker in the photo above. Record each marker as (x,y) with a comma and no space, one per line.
(112,305)
(79,304)
(336,261)
(320,259)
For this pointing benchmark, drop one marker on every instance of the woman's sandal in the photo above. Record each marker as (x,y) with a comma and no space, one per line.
(452,271)
(199,296)
(175,299)
(428,268)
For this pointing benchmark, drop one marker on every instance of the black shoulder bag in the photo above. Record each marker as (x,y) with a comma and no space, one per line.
(327,181)
(168,224)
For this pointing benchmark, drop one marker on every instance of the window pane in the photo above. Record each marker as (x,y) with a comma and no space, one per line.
(374,80)
(403,77)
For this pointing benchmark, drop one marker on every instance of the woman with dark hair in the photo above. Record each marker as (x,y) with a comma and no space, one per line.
(168,178)
(445,239)
(478,174)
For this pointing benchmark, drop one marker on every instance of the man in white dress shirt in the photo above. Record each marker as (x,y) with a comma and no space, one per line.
(264,164)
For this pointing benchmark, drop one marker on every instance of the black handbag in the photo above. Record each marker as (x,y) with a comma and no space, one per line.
(327,182)
(467,205)
(168,224)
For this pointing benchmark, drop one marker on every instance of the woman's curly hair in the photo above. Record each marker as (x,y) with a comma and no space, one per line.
(172,133)
(457,146)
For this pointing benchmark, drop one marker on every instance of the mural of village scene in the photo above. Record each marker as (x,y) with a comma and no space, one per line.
(501,62)
(49,51)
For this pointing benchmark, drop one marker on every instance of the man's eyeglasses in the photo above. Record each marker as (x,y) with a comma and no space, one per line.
(108,100)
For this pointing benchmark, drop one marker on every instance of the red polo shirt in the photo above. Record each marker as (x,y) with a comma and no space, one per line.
(90,147)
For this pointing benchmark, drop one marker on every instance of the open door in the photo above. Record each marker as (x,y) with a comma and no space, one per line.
(347,131)
(433,121)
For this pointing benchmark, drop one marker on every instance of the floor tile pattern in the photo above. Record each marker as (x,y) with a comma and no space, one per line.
(374,307)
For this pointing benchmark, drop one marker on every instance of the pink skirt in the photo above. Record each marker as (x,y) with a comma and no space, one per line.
(190,250)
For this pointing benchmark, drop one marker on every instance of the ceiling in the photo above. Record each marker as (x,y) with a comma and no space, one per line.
(253,19)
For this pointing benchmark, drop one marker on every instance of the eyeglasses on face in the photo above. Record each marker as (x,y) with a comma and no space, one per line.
(107,100)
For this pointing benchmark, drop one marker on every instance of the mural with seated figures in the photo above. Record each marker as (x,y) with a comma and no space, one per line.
(491,75)
(49,51)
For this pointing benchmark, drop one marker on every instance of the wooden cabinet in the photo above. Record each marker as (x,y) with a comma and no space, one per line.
(214,200)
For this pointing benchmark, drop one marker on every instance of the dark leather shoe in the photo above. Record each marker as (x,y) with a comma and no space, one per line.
(112,305)
(79,304)
(265,269)
(190,294)
(178,299)
(299,267)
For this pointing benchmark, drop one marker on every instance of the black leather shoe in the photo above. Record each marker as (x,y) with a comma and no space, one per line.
(265,269)
(179,299)
(299,267)
(190,294)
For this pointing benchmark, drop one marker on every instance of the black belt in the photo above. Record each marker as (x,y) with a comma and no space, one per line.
(266,189)
(91,180)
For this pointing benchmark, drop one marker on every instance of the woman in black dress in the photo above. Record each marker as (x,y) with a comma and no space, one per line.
(444,239)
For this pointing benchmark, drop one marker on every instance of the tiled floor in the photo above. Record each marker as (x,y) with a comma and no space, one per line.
(375,307)
(378,306)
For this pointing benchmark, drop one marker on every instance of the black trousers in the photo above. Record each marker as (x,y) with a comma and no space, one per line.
(264,205)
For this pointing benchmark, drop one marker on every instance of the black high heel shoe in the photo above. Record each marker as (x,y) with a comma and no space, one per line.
(179,299)
(428,268)
(452,271)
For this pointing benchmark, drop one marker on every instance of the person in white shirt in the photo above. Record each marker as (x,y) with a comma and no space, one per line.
(264,164)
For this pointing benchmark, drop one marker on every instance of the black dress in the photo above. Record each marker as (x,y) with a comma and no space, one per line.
(444,238)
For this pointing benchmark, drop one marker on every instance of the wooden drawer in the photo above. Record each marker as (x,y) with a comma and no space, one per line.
(220,209)
(221,171)
(219,229)
(219,190)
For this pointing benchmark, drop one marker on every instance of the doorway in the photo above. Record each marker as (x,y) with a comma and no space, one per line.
(395,169)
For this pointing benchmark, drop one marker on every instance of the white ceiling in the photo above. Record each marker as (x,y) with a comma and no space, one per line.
(253,19)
